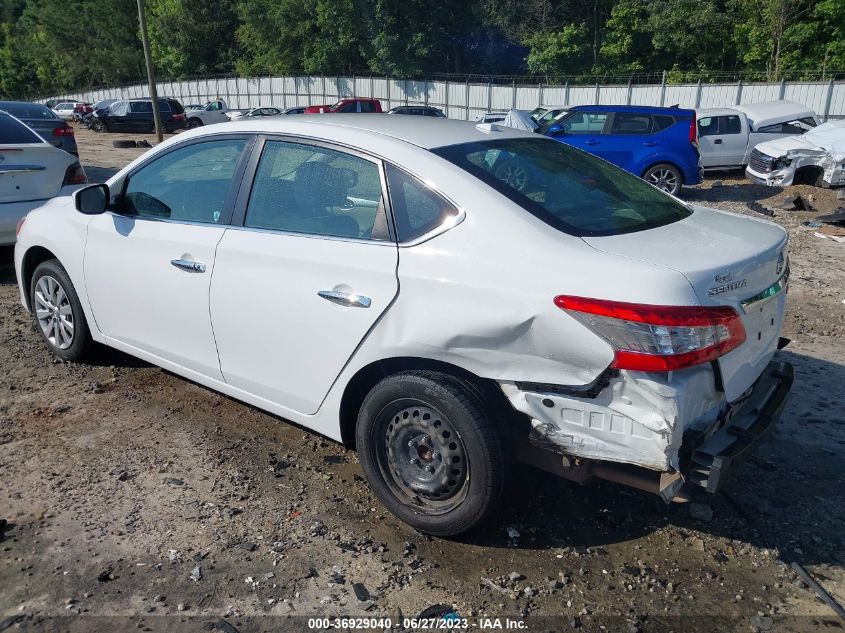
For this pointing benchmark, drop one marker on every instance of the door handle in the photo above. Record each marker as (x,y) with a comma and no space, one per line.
(345,298)
(189,265)
(591,141)
(718,141)
(649,143)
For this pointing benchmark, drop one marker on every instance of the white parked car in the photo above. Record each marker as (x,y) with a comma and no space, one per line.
(255,112)
(371,278)
(211,112)
(65,110)
(727,136)
(815,158)
(31,172)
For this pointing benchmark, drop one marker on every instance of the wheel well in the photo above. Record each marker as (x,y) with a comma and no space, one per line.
(367,377)
(31,259)
(808,175)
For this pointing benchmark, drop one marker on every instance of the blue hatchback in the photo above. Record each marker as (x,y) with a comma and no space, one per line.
(658,144)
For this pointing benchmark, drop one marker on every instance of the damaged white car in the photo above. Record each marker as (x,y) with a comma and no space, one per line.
(377,280)
(815,158)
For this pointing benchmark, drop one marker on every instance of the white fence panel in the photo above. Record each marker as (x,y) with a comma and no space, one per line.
(582,95)
(683,95)
(613,95)
(811,95)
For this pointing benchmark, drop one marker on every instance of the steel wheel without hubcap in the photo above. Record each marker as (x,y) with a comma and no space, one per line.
(423,458)
(54,312)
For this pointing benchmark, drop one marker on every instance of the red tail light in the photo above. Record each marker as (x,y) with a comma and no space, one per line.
(178,117)
(63,131)
(658,338)
(75,175)
(693,131)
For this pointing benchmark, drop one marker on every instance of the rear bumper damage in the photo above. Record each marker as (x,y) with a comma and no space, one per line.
(653,432)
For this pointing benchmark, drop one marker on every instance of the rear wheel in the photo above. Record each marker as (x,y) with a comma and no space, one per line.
(192,123)
(431,452)
(665,177)
(57,312)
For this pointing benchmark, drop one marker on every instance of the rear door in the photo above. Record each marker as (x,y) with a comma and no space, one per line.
(301,282)
(628,137)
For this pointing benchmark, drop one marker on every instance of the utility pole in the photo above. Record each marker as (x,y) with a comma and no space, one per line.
(145,41)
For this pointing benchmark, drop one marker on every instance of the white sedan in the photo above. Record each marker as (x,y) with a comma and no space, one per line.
(31,172)
(371,278)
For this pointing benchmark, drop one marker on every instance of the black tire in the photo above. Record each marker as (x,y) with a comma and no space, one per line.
(124,144)
(665,177)
(98,126)
(194,122)
(442,422)
(80,342)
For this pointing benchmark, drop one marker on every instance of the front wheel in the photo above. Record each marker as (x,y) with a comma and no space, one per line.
(57,312)
(665,177)
(431,452)
(98,126)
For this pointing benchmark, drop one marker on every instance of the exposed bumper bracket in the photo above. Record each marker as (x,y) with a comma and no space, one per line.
(748,426)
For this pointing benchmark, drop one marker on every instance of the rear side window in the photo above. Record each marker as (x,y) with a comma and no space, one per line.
(141,106)
(317,191)
(626,123)
(798,126)
(28,111)
(570,190)
(662,122)
(417,209)
(730,124)
(13,132)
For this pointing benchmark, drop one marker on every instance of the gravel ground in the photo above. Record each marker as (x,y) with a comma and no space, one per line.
(136,500)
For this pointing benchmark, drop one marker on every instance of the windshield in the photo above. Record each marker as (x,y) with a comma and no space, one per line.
(568,189)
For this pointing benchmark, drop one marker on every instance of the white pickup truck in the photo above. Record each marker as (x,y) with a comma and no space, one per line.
(211,112)
(726,136)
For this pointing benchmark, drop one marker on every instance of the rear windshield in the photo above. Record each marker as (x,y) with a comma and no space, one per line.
(14,132)
(567,188)
(28,111)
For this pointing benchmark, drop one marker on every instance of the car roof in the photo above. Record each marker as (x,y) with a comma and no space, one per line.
(631,109)
(774,111)
(424,132)
(706,112)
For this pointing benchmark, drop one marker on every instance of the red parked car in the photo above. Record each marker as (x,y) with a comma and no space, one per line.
(347,105)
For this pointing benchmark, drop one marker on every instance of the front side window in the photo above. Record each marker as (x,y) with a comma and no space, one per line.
(368,106)
(416,208)
(568,189)
(582,123)
(318,191)
(189,184)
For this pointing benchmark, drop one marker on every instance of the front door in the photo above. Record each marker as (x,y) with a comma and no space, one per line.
(300,284)
(583,129)
(149,262)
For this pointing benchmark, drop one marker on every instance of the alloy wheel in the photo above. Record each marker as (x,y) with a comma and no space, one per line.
(663,179)
(53,312)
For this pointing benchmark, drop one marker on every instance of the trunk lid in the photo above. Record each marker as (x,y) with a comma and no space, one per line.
(44,128)
(32,172)
(728,260)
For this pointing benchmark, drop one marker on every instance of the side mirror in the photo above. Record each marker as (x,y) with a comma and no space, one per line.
(92,200)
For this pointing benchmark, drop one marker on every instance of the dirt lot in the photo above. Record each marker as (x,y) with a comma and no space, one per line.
(120,481)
